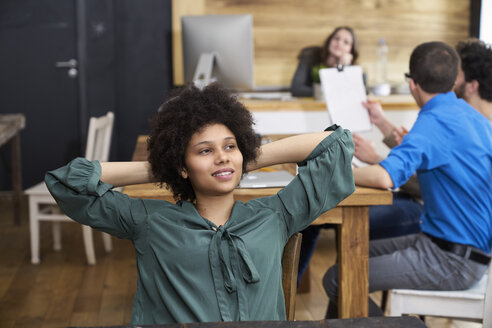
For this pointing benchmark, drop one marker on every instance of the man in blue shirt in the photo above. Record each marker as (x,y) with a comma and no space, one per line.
(450,148)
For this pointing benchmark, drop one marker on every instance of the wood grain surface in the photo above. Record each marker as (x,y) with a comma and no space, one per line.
(282,28)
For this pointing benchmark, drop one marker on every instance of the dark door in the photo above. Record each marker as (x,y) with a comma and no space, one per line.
(39,78)
(123,54)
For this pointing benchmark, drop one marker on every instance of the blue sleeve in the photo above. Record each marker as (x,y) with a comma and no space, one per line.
(423,148)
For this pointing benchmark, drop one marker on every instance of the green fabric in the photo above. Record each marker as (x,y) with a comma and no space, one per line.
(315,72)
(187,270)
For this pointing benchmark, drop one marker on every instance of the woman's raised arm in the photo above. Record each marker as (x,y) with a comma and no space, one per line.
(126,173)
(288,150)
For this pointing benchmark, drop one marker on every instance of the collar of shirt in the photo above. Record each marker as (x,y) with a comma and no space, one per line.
(227,273)
(439,99)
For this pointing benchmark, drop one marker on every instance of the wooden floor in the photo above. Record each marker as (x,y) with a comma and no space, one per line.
(64,291)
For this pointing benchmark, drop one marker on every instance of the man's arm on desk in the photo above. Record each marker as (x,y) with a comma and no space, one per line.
(373,176)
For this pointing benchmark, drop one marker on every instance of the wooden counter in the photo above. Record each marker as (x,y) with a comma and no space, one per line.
(391,102)
(306,115)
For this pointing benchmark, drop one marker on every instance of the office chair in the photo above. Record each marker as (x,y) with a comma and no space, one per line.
(290,262)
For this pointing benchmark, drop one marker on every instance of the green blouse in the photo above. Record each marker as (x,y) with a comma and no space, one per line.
(190,270)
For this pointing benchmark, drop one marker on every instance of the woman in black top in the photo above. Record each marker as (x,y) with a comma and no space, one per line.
(340,48)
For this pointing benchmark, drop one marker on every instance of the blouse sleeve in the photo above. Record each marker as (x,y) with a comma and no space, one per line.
(79,192)
(325,179)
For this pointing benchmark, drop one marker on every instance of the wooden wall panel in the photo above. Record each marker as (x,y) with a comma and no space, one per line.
(283,27)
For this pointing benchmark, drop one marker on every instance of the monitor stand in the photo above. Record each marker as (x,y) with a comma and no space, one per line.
(203,71)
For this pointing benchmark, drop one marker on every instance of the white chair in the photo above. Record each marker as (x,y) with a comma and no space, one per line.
(473,304)
(42,206)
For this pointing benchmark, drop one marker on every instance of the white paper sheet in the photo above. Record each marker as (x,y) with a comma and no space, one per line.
(344,93)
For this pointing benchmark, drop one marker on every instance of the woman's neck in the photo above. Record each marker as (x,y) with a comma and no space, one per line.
(215,208)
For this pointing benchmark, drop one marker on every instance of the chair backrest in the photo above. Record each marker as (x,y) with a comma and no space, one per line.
(99,137)
(290,262)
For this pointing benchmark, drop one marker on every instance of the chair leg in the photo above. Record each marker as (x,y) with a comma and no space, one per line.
(395,305)
(34,229)
(89,245)
(384,300)
(56,236)
(108,245)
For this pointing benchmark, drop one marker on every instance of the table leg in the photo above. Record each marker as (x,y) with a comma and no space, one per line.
(353,262)
(16,177)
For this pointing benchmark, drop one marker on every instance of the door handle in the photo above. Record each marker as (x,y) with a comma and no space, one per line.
(71,63)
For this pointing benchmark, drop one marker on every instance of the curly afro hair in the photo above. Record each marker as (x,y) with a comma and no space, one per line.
(476,62)
(186,112)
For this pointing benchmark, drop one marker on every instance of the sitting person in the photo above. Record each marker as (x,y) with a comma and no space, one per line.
(208,257)
(450,148)
(340,48)
(474,85)
(474,82)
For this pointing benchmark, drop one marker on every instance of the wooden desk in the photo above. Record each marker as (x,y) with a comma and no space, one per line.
(374,322)
(305,115)
(351,215)
(10,127)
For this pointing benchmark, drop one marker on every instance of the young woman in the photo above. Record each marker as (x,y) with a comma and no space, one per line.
(340,48)
(208,257)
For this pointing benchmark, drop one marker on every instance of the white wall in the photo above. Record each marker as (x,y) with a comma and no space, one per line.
(486,21)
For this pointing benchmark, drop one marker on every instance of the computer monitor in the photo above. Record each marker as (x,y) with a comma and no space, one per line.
(218,48)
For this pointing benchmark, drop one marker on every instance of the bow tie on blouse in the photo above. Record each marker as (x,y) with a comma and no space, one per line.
(239,266)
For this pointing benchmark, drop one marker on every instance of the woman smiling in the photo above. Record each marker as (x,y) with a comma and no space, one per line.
(208,257)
